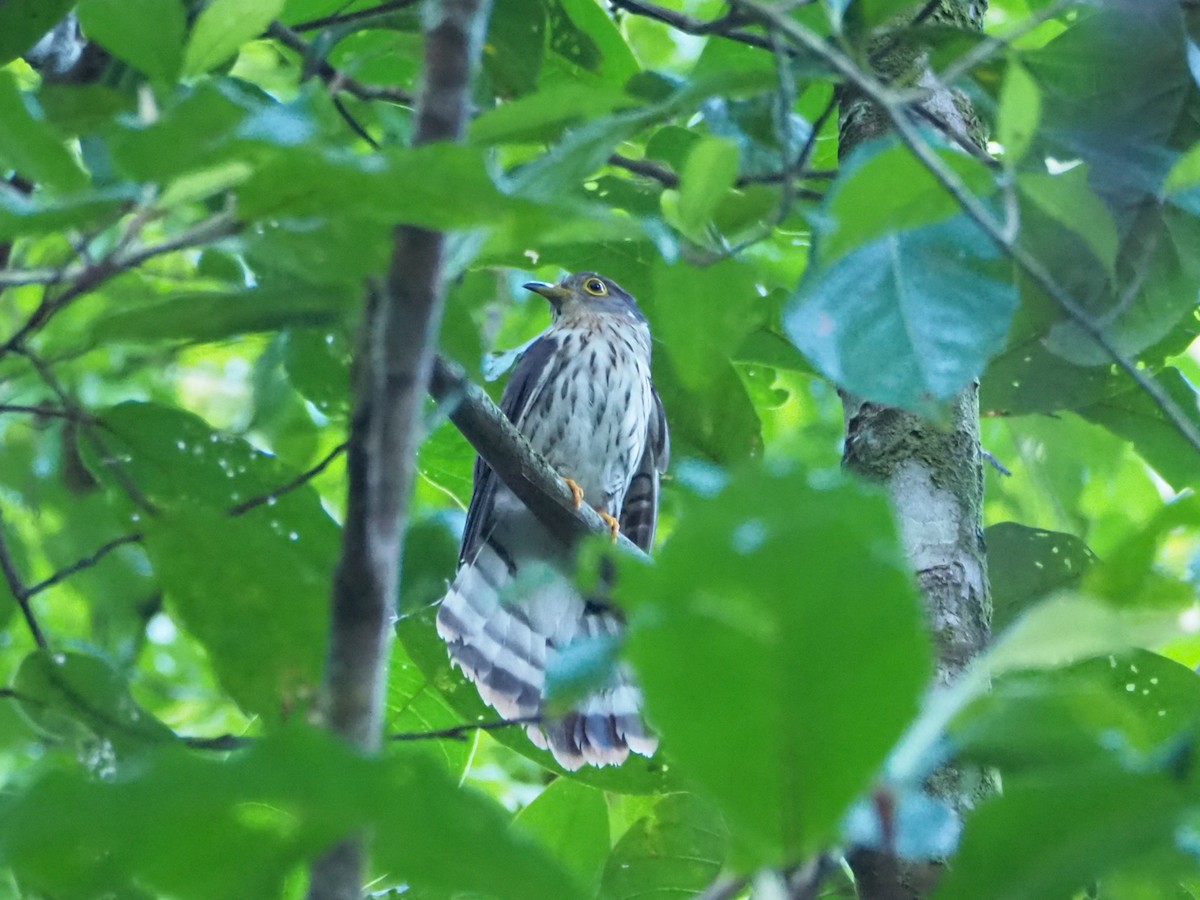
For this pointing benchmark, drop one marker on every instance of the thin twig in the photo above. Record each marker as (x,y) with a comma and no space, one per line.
(19,591)
(356,16)
(86,563)
(299,481)
(90,429)
(48,412)
(726,26)
(458,732)
(335,78)
(81,279)
(667,177)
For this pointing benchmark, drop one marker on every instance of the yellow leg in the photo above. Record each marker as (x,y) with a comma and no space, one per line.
(614,526)
(576,492)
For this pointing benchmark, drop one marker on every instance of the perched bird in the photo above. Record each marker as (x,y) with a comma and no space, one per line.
(582,395)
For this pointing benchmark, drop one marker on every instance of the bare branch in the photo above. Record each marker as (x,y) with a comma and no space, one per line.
(86,563)
(19,591)
(726,27)
(46,412)
(81,279)
(356,16)
(299,481)
(335,79)
(394,364)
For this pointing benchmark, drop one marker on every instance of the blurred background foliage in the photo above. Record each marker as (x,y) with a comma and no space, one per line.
(193,203)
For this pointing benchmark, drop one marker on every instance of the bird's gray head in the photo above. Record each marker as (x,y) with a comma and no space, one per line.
(586,293)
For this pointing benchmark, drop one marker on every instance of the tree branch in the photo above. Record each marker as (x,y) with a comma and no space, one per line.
(356,16)
(522,469)
(335,79)
(299,481)
(87,277)
(394,364)
(86,563)
(20,592)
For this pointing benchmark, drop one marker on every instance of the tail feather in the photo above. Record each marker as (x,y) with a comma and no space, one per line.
(505,650)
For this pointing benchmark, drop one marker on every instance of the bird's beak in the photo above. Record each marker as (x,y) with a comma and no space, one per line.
(555,293)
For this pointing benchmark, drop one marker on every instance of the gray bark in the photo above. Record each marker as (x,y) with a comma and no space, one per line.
(393,371)
(934,477)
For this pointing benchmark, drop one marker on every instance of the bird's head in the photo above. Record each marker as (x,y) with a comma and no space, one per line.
(586,293)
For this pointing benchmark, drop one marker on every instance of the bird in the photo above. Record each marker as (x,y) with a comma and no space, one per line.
(582,395)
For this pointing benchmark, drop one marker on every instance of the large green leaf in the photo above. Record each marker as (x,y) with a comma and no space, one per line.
(883,189)
(1137,417)
(201,827)
(147,34)
(257,596)
(222,27)
(1026,564)
(781,653)
(677,849)
(22,22)
(909,319)
(30,146)
(213,316)
(571,819)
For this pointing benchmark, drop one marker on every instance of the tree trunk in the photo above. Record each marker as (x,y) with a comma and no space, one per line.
(933,474)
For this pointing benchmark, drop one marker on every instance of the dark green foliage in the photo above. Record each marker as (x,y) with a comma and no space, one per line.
(187,236)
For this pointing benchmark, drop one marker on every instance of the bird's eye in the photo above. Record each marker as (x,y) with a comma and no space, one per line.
(595,287)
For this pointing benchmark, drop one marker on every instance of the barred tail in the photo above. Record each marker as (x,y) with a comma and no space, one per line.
(505,648)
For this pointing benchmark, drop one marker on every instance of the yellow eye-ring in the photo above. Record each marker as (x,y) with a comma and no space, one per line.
(595,287)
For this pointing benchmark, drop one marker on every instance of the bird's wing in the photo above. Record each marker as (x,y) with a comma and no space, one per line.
(639,513)
(523,387)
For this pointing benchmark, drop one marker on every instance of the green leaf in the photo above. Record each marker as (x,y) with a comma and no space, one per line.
(1137,417)
(571,820)
(1048,838)
(709,173)
(676,850)
(882,191)
(21,215)
(22,22)
(415,706)
(513,48)
(222,27)
(261,813)
(147,34)
(1026,564)
(30,146)
(1020,111)
(617,63)
(909,319)
(257,599)
(1069,200)
(702,316)
(543,116)
(746,586)
(210,316)
(1119,117)
(70,696)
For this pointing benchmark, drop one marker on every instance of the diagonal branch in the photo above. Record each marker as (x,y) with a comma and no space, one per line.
(337,80)
(21,593)
(525,472)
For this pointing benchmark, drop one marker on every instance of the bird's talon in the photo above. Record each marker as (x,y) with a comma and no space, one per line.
(576,492)
(614,526)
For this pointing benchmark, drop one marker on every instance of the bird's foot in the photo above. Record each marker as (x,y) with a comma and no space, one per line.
(614,526)
(576,491)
